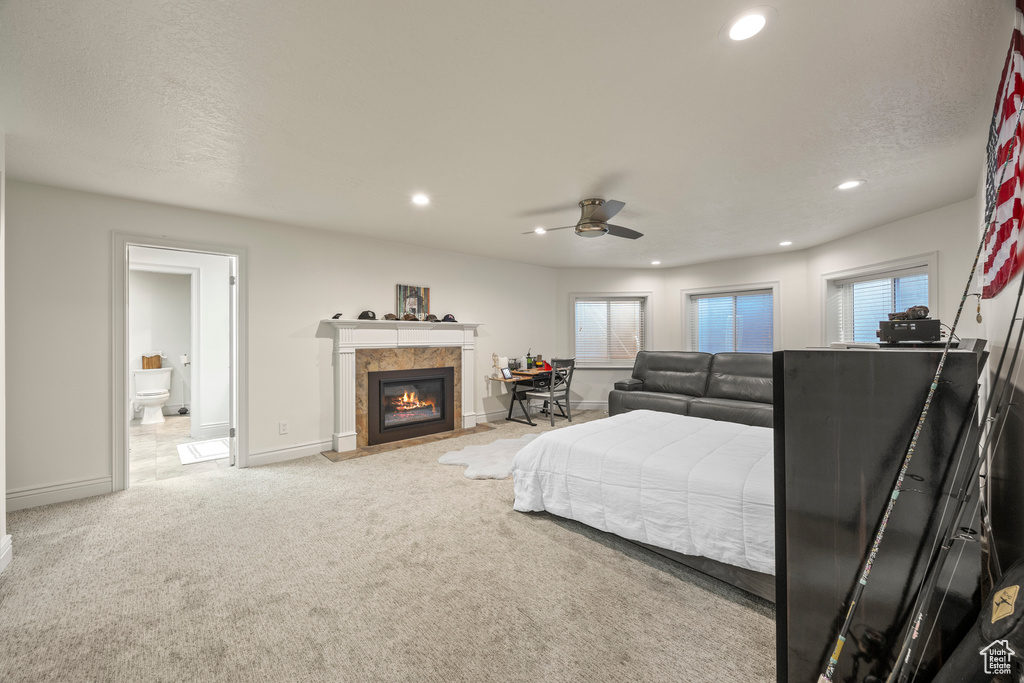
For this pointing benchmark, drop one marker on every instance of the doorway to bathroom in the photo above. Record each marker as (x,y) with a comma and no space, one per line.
(177,350)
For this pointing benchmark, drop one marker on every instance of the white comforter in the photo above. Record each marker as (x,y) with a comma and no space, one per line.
(696,486)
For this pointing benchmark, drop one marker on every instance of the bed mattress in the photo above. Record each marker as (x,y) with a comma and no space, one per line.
(696,486)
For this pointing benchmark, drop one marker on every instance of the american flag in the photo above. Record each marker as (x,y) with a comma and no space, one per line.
(1002,254)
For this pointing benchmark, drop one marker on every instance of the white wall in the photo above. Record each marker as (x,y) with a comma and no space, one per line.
(787,269)
(949,230)
(590,386)
(952,231)
(159,320)
(60,264)
(211,350)
(5,539)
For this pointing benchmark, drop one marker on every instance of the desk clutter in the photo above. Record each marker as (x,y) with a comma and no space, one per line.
(523,363)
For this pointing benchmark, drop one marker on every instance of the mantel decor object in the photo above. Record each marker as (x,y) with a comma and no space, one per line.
(413,300)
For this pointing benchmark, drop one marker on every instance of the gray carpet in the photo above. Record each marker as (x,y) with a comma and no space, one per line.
(384,568)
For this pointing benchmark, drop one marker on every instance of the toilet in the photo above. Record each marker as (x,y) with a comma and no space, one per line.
(152,389)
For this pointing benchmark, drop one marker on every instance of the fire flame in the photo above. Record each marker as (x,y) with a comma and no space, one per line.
(410,401)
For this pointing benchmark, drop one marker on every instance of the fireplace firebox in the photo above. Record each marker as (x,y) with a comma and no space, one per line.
(403,404)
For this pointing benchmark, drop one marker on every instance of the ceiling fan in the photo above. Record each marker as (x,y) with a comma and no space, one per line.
(594,217)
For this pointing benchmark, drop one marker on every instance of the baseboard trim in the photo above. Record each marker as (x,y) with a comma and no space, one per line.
(290,453)
(34,496)
(213,430)
(167,410)
(6,552)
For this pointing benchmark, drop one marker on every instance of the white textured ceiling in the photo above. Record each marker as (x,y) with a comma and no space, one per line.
(331,114)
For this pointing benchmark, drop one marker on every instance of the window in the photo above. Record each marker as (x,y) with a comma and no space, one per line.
(609,329)
(732,321)
(857,304)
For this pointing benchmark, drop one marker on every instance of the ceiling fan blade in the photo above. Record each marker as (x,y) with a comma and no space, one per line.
(532,232)
(605,212)
(620,231)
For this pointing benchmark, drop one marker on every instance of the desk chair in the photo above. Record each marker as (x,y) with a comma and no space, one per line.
(557,390)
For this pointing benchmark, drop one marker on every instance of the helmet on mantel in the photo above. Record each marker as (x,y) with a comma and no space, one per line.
(367,315)
(449,319)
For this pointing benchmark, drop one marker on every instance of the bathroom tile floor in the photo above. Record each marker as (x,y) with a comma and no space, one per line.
(153,451)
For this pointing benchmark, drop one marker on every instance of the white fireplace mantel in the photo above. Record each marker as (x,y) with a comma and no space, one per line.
(349,335)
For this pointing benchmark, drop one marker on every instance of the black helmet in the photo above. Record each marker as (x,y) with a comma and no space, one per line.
(367,315)
(449,319)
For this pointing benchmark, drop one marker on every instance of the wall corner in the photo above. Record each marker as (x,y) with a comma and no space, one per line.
(6,549)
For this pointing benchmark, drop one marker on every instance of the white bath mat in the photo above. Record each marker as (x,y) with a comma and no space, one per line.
(201,451)
(491,461)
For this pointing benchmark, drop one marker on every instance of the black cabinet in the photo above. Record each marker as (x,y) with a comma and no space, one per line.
(843,422)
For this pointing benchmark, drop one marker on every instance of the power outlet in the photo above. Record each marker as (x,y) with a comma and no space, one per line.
(282,427)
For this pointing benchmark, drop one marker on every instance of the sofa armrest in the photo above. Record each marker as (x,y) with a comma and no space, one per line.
(631,384)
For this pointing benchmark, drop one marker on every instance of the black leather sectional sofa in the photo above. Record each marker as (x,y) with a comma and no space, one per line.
(734,387)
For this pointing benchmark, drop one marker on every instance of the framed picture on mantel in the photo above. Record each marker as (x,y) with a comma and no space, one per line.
(412,299)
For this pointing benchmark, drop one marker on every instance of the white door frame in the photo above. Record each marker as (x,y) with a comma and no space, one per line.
(119,348)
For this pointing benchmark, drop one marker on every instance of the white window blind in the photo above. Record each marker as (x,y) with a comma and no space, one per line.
(741,321)
(859,304)
(609,329)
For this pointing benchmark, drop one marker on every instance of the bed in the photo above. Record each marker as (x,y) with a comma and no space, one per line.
(698,490)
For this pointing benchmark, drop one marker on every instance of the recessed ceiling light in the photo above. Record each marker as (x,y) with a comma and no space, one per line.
(655,263)
(849,184)
(747,25)
(420,199)
(539,230)
(785,244)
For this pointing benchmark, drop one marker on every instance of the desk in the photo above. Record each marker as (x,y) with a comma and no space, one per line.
(528,379)
(535,372)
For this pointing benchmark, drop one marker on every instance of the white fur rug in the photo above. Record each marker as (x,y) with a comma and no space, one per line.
(492,461)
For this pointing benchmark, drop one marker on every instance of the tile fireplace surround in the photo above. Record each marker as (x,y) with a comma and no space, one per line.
(364,345)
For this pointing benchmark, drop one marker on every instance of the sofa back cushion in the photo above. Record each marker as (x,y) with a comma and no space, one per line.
(741,376)
(750,413)
(675,372)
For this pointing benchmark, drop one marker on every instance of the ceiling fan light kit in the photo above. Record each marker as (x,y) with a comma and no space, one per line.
(592,229)
(594,216)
